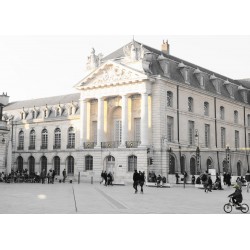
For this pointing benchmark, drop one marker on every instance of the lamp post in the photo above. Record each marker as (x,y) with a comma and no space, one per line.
(198,160)
(228,158)
(169,161)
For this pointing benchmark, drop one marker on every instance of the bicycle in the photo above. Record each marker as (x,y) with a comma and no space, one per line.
(228,207)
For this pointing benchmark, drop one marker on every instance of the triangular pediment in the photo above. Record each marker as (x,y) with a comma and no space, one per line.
(111,73)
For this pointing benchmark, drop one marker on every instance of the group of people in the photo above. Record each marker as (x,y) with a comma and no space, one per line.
(184,179)
(33,177)
(139,179)
(107,178)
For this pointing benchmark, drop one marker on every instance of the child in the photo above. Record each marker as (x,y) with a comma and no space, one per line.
(237,197)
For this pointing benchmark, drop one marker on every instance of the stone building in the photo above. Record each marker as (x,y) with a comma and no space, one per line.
(137,108)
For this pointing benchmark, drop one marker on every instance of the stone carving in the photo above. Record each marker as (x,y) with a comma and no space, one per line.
(133,52)
(93,60)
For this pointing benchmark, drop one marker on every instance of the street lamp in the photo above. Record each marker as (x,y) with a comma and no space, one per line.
(198,159)
(228,158)
(169,160)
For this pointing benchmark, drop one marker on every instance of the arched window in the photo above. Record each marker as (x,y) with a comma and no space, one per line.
(44,139)
(171,164)
(70,165)
(71,138)
(206,108)
(57,139)
(222,113)
(20,163)
(132,163)
(32,139)
(44,164)
(88,162)
(190,104)
(169,99)
(31,165)
(209,163)
(21,140)
(236,114)
(238,168)
(192,166)
(183,159)
(57,165)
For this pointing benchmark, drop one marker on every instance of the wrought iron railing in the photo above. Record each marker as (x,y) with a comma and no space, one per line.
(87,145)
(20,148)
(132,144)
(71,146)
(56,146)
(32,147)
(44,147)
(110,144)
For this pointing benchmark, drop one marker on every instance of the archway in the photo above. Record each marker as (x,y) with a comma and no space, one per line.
(31,165)
(171,164)
(183,163)
(110,164)
(44,164)
(192,166)
(239,168)
(225,166)
(209,163)
(20,163)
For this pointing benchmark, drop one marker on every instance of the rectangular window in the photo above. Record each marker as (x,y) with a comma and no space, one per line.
(170,128)
(207,135)
(237,139)
(118,131)
(223,138)
(191,132)
(94,131)
(137,129)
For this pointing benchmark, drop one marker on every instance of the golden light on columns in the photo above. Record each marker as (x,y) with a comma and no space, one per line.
(88,121)
(129,114)
(149,111)
(105,117)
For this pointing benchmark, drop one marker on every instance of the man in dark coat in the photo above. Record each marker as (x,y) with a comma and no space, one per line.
(141,180)
(136,180)
(237,195)
(64,175)
(105,176)
(43,176)
(53,176)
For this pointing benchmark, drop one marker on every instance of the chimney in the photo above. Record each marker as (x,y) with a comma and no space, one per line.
(165,47)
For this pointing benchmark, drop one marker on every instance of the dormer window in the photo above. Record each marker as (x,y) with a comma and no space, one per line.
(70,110)
(22,116)
(200,77)
(57,111)
(216,83)
(230,88)
(243,92)
(164,63)
(46,113)
(33,114)
(184,71)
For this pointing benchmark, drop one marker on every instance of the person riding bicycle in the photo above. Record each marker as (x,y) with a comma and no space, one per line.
(237,195)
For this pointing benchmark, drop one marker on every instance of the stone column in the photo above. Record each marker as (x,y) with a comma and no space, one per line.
(124,120)
(144,120)
(83,121)
(100,121)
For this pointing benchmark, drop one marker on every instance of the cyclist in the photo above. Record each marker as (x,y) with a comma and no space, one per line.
(237,195)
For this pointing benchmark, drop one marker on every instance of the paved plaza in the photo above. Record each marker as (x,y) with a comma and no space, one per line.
(25,198)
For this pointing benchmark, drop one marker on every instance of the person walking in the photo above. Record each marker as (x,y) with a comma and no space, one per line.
(105,176)
(102,178)
(53,176)
(136,180)
(185,177)
(43,176)
(177,178)
(64,175)
(141,180)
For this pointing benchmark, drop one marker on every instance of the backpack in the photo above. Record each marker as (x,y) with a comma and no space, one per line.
(204,177)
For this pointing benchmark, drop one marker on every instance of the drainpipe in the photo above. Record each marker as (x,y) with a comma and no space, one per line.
(178,125)
(216,135)
(245,129)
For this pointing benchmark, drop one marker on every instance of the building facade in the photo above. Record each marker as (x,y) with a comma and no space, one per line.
(137,108)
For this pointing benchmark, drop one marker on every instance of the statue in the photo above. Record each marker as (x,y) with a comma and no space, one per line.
(93,61)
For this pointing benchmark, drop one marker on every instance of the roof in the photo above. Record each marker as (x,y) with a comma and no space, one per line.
(43,101)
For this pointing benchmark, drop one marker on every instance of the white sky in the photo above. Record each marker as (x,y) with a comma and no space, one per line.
(40,66)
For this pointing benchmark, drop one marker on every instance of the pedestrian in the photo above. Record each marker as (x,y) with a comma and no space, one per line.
(136,180)
(177,178)
(43,176)
(239,183)
(105,176)
(209,184)
(53,176)
(185,177)
(49,176)
(229,179)
(64,175)
(193,179)
(158,181)
(109,179)
(141,180)
(102,177)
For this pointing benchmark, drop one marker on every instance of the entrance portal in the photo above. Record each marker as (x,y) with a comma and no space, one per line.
(110,164)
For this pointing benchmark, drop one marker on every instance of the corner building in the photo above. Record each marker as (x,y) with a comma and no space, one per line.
(137,108)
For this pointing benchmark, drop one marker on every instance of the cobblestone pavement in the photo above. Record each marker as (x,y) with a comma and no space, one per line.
(81,198)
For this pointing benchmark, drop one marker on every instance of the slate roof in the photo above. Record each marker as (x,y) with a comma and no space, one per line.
(176,75)
(54,100)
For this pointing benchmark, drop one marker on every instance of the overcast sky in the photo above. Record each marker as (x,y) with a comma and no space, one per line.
(40,66)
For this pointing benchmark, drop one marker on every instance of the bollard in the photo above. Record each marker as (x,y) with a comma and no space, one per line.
(78,177)
(91,179)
